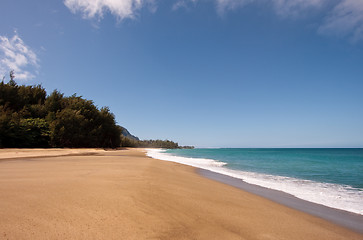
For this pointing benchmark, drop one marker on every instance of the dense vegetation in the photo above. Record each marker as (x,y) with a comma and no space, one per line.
(30,118)
(128,142)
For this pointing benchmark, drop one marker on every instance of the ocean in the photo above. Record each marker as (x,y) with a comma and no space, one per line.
(329,176)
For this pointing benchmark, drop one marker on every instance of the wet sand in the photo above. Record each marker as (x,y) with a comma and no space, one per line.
(96,194)
(343,218)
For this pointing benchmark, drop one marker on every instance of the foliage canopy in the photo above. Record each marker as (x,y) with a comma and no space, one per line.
(30,118)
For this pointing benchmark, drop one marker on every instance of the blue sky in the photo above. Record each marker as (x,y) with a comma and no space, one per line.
(217,73)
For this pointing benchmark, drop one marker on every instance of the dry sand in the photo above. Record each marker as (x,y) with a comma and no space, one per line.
(125,195)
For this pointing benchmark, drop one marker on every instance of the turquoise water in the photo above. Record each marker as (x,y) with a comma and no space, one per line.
(340,166)
(331,177)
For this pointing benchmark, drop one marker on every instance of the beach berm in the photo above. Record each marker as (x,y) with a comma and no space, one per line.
(122,194)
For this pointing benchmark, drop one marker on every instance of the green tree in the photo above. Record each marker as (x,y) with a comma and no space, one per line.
(55,102)
(12,77)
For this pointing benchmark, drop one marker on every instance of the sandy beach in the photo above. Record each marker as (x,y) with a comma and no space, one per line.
(97,194)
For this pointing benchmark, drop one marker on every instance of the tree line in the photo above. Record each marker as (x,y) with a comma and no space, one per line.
(31,118)
(129,142)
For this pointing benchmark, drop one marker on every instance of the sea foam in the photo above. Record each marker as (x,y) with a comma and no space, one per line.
(328,194)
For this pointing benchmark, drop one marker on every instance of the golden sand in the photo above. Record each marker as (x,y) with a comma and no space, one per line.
(97,194)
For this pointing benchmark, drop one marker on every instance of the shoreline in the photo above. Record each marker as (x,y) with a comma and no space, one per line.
(332,195)
(343,218)
(340,217)
(124,194)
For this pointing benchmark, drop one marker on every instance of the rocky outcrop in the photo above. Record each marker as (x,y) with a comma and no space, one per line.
(127,134)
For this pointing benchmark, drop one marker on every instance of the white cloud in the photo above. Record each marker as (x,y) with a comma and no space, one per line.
(284,8)
(179,4)
(342,17)
(293,8)
(16,55)
(223,5)
(96,8)
(346,19)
